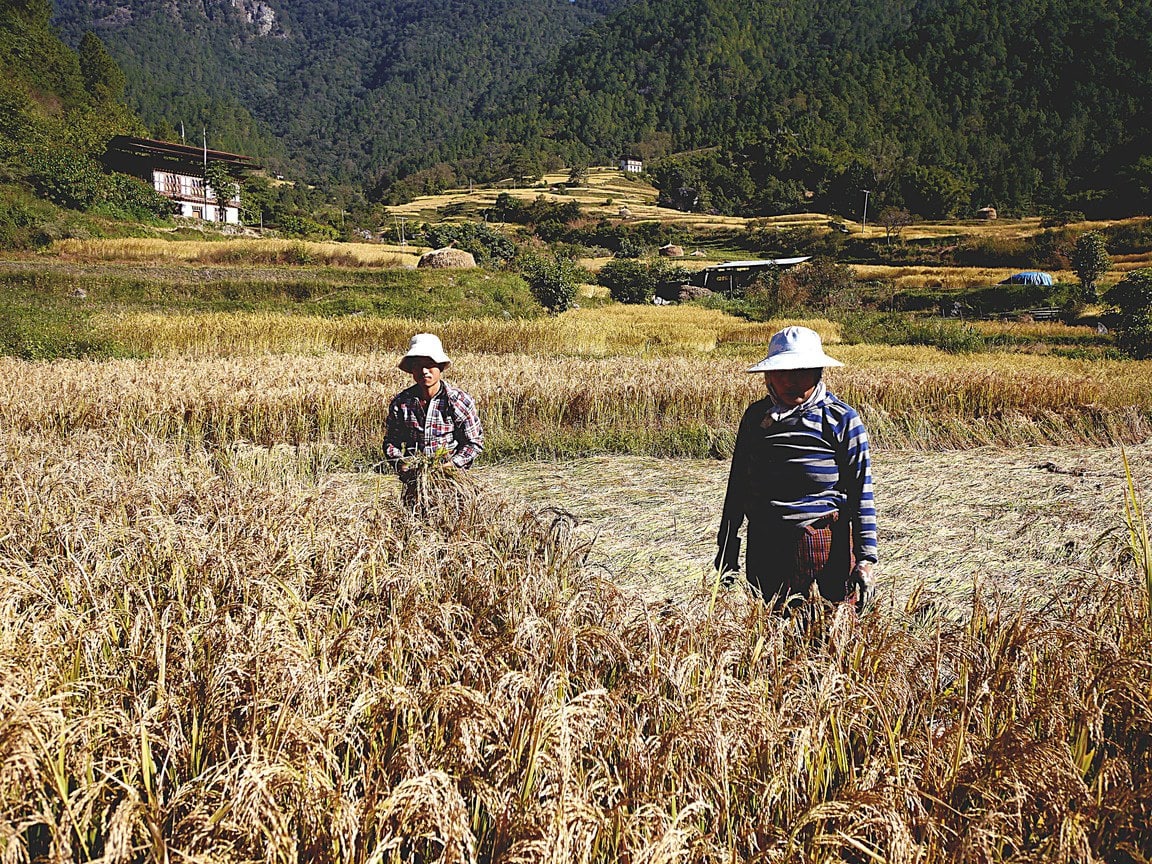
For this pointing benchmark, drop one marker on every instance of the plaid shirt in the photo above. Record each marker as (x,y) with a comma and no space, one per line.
(451,423)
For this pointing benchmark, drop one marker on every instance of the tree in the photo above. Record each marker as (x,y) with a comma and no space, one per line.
(894,220)
(1090,261)
(1133,297)
(102,77)
(219,179)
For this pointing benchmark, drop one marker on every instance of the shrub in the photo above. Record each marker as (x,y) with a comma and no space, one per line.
(487,245)
(1133,297)
(66,178)
(127,196)
(74,180)
(552,280)
(628,280)
(302,226)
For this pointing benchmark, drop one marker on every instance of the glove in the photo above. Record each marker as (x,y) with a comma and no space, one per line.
(861,584)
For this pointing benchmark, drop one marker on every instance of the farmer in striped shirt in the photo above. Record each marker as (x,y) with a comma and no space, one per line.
(431,419)
(802,477)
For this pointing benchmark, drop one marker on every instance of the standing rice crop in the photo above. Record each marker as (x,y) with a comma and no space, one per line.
(221,656)
(549,405)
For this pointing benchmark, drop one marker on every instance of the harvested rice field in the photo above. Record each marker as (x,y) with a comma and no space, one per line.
(1017,525)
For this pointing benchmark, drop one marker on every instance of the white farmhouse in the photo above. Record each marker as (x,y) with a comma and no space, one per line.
(177,172)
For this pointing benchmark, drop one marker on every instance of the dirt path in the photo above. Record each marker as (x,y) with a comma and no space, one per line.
(1010,520)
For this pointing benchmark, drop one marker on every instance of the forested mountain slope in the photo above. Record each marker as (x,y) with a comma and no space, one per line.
(1025,99)
(346,87)
(937,104)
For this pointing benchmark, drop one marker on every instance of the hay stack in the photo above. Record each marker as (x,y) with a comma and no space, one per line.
(671,250)
(447,258)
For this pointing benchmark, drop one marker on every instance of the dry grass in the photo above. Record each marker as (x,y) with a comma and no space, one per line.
(237,251)
(616,329)
(947,278)
(606,191)
(210,657)
(1045,332)
(1122,264)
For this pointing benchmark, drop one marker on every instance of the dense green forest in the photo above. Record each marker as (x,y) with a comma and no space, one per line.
(59,108)
(344,90)
(1018,103)
(936,106)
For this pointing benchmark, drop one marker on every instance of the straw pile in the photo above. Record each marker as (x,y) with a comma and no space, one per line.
(447,258)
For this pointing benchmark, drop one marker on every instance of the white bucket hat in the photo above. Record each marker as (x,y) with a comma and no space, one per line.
(795,348)
(425,345)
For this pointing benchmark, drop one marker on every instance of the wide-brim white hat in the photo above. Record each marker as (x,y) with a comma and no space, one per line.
(425,345)
(795,348)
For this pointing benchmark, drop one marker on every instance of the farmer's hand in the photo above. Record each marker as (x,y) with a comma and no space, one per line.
(861,583)
(406,471)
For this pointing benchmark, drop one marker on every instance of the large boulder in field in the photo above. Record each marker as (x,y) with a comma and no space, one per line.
(447,258)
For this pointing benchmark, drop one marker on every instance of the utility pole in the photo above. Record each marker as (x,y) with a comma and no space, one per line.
(864,221)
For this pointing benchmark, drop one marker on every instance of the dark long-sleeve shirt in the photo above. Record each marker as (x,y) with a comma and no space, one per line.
(801,468)
(450,423)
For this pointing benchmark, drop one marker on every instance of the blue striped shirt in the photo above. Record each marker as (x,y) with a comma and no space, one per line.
(807,465)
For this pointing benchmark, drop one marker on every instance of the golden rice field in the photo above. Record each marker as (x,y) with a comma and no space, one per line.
(236,251)
(649,380)
(222,638)
(547,406)
(611,330)
(215,655)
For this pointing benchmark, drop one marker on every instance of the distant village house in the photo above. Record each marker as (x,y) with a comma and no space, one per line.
(177,172)
(632,166)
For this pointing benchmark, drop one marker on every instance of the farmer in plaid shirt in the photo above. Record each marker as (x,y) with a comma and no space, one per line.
(802,477)
(431,418)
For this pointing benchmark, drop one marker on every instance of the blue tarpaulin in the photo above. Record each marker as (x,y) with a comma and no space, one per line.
(1028,277)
